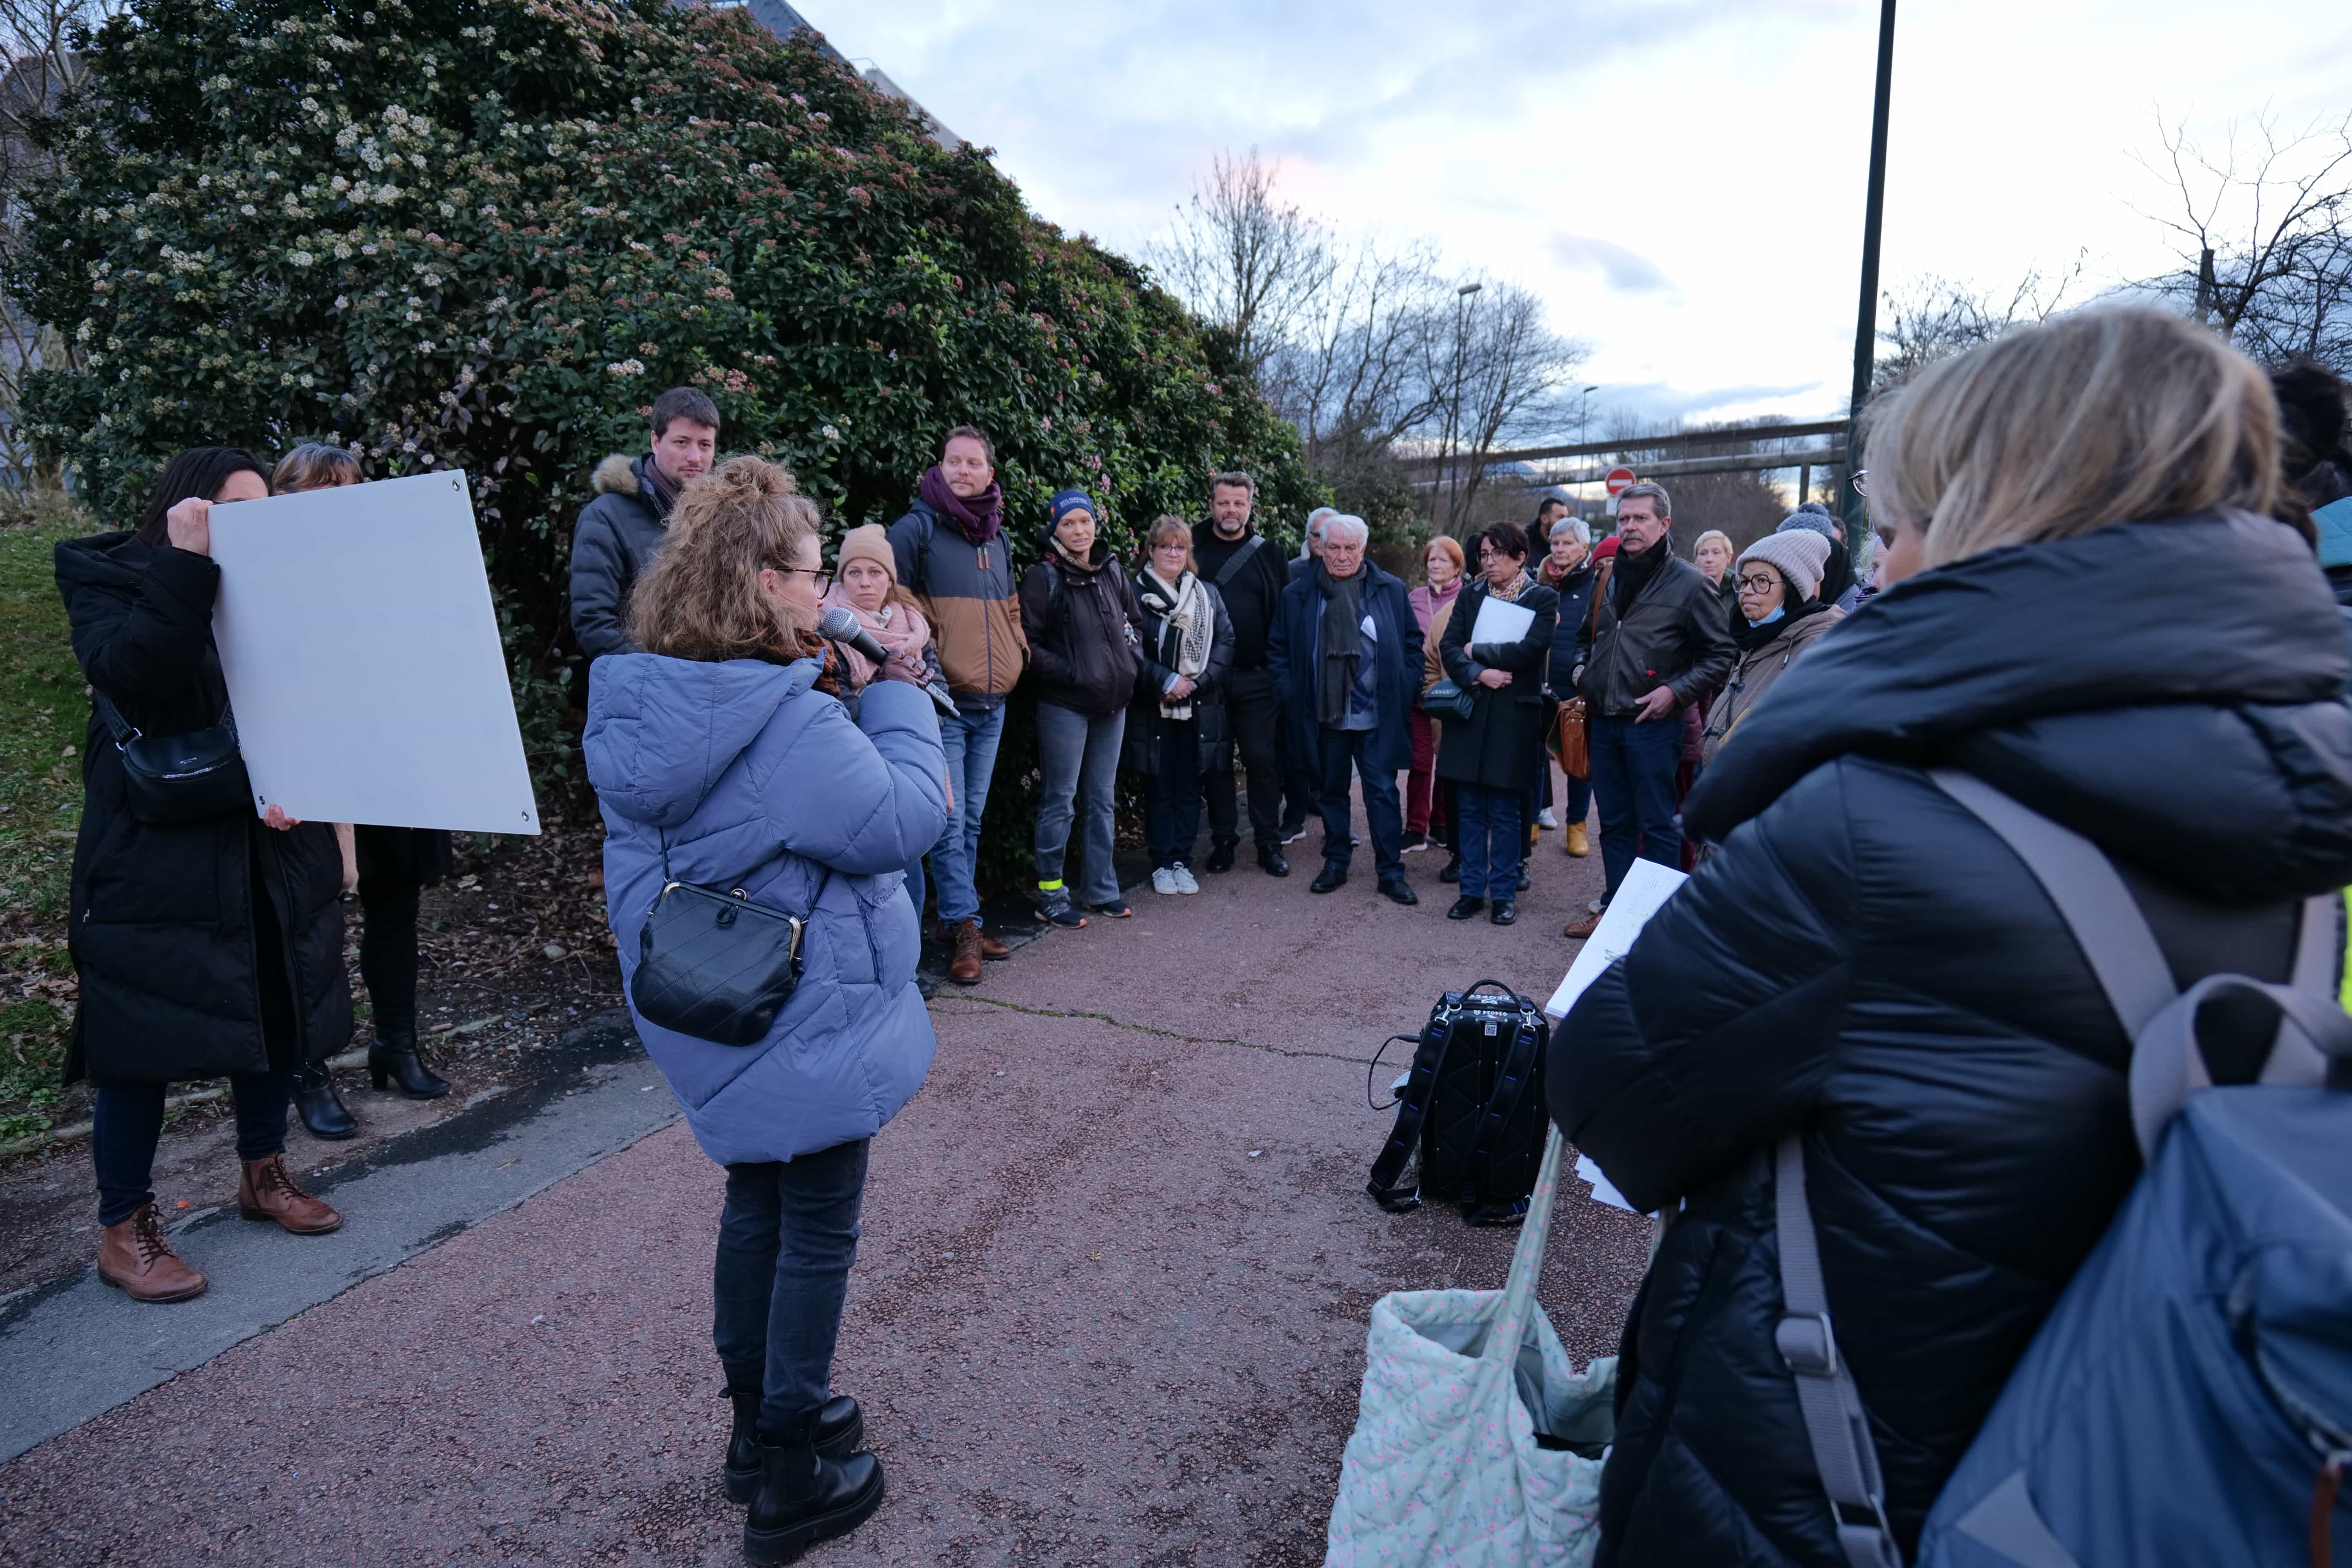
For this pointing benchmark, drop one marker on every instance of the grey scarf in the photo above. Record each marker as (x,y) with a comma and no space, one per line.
(1343,644)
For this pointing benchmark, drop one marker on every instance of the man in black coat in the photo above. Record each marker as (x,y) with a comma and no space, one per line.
(1248,573)
(1345,655)
(1662,643)
(1865,965)
(621,527)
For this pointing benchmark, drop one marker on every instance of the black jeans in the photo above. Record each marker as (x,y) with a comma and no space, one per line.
(1253,719)
(1383,806)
(1172,811)
(388,952)
(786,1239)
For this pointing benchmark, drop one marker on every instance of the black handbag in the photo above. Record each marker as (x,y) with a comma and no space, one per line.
(183,777)
(716,965)
(1446,700)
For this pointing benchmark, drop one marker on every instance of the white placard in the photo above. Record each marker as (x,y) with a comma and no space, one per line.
(1647,885)
(363,657)
(1499,620)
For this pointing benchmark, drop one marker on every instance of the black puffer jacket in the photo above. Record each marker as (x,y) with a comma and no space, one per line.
(1083,629)
(163,915)
(1865,964)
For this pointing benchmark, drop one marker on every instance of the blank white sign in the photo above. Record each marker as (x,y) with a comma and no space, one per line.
(363,657)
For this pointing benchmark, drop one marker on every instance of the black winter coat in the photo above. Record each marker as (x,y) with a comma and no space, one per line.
(1865,964)
(1674,634)
(1084,629)
(1500,745)
(1159,657)
(619,533)
(162,916)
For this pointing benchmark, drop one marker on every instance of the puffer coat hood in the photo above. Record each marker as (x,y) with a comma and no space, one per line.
(757,780)
(1866,965)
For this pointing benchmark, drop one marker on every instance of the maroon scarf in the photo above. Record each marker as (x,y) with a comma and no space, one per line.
(976,518)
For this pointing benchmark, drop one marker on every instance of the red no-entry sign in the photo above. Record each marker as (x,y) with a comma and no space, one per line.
(1620,481)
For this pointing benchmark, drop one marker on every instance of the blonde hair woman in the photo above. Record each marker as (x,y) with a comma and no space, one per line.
(721,758)
(2091,612)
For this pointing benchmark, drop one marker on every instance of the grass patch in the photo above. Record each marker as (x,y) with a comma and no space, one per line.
(43,716)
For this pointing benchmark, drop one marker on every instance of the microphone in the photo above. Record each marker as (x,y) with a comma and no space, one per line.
(841,625)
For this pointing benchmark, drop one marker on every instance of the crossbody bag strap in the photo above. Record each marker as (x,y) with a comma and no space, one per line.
(1837,1426)
(121,728)
(1234,562)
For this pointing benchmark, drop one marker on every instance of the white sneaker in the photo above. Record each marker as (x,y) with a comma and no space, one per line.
(1183,876)
(1163,880)
(1544,818)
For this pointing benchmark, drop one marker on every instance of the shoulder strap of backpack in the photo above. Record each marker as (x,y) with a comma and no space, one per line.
(1837,1427)
(1413,1110)
(2166,1063)
(1498,1121)
(1235,562)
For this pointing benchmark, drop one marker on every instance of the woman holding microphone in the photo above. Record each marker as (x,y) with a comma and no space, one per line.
(726,767)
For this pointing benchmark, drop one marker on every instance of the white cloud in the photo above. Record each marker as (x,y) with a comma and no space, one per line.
(1682,183)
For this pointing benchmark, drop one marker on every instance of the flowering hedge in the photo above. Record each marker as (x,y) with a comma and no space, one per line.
(483,233)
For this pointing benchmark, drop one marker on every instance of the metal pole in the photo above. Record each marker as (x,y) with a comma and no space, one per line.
(1851,507)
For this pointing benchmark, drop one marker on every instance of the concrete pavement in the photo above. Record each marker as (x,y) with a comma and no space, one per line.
(1109,1308)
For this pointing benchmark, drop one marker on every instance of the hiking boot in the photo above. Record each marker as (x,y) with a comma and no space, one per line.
(267,1193)
(804,1498)
(964,967)
(393,1060)
(840,1428)
(322,1109)
(1221,855)
(1578,844)
(1185,882)
(1053,905)
(134,1258)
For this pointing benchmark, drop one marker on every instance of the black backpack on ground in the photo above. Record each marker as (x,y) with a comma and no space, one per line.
(1472,1109)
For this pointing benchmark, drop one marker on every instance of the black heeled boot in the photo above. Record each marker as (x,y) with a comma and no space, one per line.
(392,1060)
(323,1110)
(840,1428)
(805,1497)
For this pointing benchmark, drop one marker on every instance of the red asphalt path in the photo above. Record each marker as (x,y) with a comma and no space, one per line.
(1109,1308)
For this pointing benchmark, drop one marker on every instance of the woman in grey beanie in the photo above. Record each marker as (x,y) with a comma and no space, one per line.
(1837,574)
(1780,580)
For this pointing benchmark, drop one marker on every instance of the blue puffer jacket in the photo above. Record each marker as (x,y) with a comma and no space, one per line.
(761,783)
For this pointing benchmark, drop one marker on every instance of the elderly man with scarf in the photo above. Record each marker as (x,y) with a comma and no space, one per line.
(952,556)
(1344,650)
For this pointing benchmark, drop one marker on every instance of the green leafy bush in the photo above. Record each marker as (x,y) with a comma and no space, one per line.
(483,233)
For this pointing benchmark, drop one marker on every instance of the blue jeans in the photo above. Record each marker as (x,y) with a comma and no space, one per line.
(1173,813)
(1491,841)
(970,740)
(1078,755)
(787,1236)
(1634,779)
(1384,809)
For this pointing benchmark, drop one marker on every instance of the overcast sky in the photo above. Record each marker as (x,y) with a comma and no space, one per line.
(1683,184)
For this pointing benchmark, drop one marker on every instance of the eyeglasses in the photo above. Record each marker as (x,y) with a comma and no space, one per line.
(1860,488)
(819,581)
(1758,585)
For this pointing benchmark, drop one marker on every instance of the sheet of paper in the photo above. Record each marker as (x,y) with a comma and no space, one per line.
(1501,621)
(363,660)
(1647,886)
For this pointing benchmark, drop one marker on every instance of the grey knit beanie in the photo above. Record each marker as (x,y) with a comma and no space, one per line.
(1797,552)
(1813,516)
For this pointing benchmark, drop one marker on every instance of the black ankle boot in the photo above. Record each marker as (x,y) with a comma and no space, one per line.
(392,1060)
(323,1112)
(840,1428)
(805,1497)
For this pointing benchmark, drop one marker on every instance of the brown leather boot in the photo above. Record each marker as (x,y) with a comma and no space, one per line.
(135,1258)
(990,948)
(964,968)
(267,1192)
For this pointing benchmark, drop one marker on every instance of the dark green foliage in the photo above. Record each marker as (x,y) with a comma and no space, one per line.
(485,233)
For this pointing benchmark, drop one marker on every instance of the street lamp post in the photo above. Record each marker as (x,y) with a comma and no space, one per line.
(1851,507)
(1453,407)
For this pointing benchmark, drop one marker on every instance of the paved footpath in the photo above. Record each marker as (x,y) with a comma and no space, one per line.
(1109,1307)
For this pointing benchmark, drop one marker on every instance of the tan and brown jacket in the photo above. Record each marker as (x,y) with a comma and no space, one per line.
(968,594)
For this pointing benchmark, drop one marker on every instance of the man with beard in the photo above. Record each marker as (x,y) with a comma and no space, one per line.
(1249,573)
(1662,643)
